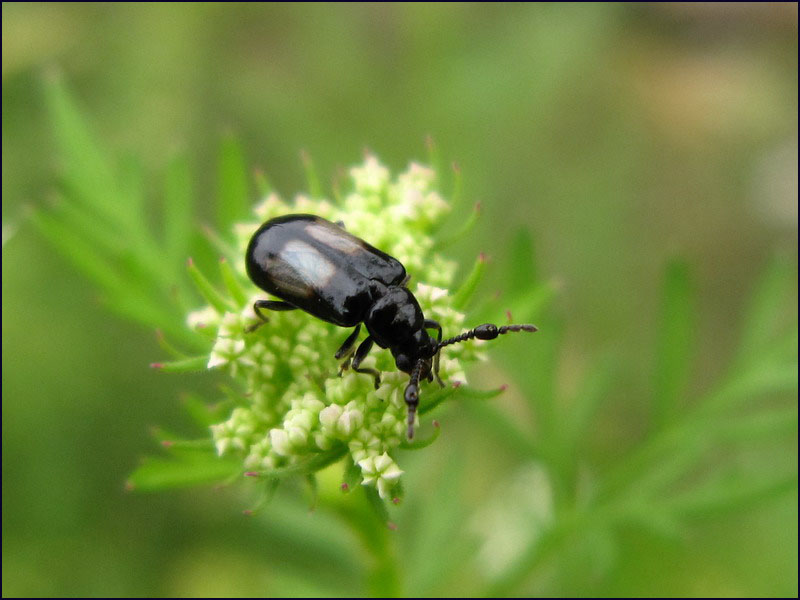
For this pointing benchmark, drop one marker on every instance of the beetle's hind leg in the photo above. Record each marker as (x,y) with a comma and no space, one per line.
(361,354)
(346,349)
(267,305)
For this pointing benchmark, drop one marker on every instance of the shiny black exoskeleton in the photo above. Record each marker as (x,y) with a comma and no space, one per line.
(317,266)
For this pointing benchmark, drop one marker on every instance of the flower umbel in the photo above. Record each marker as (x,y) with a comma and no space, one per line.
(296,407)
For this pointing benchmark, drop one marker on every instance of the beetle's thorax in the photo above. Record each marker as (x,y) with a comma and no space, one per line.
(395,321)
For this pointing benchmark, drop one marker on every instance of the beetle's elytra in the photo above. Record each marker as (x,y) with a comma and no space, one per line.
(317,266)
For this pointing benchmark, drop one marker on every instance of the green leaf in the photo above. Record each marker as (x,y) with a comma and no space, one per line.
(85,166)
(540,364)
(201,412)
(81,253)
(312,179)
(758,381)
(466,227)
(232,283)
(493,420)
(233,196)
(187,365)
(730,493)
(311,465)
(467,289)
(263,186)
(522,274)
(177,214)
(595,386)
(675,344)
(530,304)
(132,196)
(377,504)
(420,443)
(156,474)
(768,304)
(770,425)
(352,474)
(220,303)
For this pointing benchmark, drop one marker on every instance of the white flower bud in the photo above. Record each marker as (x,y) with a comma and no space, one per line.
(280,441)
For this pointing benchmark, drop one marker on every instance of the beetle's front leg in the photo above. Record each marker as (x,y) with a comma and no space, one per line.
(361,354)
(268,305)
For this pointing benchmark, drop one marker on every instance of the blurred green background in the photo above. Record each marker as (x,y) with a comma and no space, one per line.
(619,136)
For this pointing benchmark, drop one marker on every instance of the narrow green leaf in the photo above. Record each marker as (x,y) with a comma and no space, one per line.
(188,365)
(199,410)
(432,400)
(457,194)
(530,304)
(93,228)
(228,250)
(312,179)
(539,362)
(82,254)
(434,157)
(522,273)
(177,213)
(233,196)
(730,493)
(156,474)
(85,165)
(167,347)
(467,289)
(493,420)
(313,490)
(208,291)
(675,344)
(263,186)
(232,283)
(771,425)
(768,304)
(758,381)
(594,388)
(476,394)
(267,490)
(132,196)
(352,474)
(466,227)
(420,443)
(312,465)
(377,505)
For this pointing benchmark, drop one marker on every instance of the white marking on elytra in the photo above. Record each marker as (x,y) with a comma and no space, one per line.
(307,261)
(337,239)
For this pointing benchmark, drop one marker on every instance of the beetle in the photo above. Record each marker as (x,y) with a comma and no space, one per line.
(316,266)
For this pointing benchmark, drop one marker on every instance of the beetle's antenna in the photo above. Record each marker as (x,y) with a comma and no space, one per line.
(412,395)
(487,331)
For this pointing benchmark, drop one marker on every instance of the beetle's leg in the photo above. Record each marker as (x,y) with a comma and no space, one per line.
(487,331)
(268,305)
(361,354)
(431,324)
(346,349)
(411,395)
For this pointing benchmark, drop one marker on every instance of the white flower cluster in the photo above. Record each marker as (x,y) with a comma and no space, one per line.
(295,404)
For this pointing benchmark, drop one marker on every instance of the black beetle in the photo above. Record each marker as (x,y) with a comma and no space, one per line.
(317,266)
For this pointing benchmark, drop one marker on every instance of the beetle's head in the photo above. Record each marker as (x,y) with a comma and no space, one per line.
(419,346)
